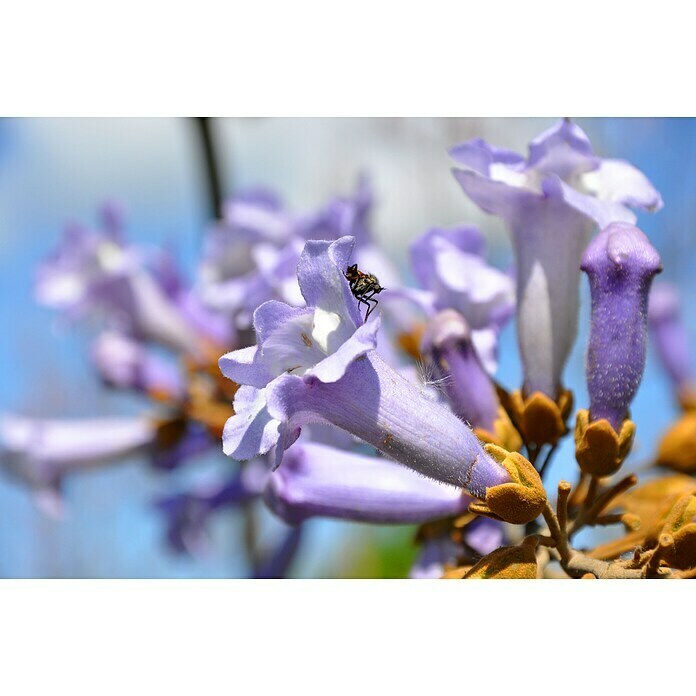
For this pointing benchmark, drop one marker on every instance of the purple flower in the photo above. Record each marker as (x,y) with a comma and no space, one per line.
(41,452)
(669,334)
(316,480)
(451,265)
(96,273)
(551,202)
(343,216)
(620,264)
(127,364)
(447,347)
(318,364)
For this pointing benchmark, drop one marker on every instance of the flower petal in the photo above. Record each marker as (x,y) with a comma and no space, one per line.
(321,275)
(245,367)
(621,182)
(333,367)
(252,430)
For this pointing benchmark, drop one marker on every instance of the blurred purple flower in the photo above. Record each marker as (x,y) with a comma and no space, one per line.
(316,480)
(318,364)
(669,334)
(451,265)
(620,264)
(551,202)
(96,272)
(42,452)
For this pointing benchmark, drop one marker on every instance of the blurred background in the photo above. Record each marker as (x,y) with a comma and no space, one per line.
(53,171)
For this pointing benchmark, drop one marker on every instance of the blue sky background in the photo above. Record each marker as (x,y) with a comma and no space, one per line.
(56,170)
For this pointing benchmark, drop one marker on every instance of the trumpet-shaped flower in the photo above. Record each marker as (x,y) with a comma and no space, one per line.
(42,452)
(551,201)
(318,364)
(96,272)
(450,265)
(620,263)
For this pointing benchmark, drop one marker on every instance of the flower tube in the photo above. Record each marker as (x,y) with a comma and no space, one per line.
(41,452)
(316,480)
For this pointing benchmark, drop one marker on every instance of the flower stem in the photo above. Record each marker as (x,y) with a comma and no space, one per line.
(212,165)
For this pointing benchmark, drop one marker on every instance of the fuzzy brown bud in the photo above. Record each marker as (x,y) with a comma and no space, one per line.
(599,449)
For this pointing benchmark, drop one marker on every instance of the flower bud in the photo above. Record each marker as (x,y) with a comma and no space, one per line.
(448,349)
(507,563)
(599,449)
(620,264)
(520,501)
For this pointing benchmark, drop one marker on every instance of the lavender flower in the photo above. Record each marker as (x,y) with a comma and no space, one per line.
(316,480)
(41,452)
(620,264)
(95,272)
(318,364)
(551,201)
(450,265)
(669,335)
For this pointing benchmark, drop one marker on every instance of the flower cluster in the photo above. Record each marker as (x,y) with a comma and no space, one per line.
(320,409)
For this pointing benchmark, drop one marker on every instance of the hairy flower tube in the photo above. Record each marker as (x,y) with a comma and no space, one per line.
(318,364)
(551,201)
(316,480)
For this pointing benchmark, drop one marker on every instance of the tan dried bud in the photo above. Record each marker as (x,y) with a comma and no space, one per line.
(507,563)
(539,419)
(677,450)
(599,449)
(680,526)
(504,433)
(522,500)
